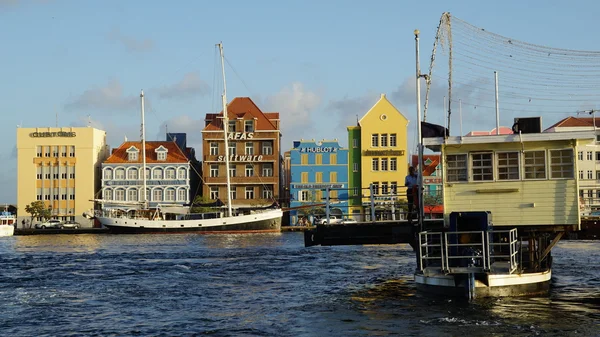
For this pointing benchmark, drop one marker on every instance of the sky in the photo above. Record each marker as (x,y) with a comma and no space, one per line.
(320,64)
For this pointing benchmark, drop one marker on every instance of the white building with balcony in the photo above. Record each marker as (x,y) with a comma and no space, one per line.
(167,174)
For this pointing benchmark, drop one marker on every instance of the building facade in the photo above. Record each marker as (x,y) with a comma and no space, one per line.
(254,155)
(378,154)
(60,166)
(167,174)
(433,202)
(316,167)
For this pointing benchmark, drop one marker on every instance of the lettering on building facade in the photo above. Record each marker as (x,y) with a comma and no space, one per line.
(321,186)
(330,149)
(240,135)
(52,134)
(383,152)
(237,157)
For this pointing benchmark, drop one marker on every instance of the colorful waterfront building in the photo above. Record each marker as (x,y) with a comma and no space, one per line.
(377,155)
(254,154)
(170,171)
(432,184)
(59,166)
(316,167)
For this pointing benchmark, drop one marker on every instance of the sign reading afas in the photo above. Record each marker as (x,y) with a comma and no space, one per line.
(240,135)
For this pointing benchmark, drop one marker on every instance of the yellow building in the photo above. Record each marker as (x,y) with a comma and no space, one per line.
(60,166)
(378,152)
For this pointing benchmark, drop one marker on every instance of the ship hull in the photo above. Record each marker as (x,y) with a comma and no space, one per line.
(266,222)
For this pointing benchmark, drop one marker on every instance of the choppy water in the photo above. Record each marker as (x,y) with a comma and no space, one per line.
(264,285)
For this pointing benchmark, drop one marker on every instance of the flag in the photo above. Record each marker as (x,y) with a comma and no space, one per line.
(429,130)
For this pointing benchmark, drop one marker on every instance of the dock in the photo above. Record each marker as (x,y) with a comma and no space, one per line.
(36,231)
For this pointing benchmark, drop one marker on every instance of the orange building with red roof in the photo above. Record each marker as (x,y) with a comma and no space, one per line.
(254,155)
(432,182)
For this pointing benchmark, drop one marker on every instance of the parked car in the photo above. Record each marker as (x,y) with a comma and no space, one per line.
(332,219)
(71,224)
(52,223)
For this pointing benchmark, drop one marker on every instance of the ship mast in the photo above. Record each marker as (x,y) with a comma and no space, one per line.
(143,136)
(225,130)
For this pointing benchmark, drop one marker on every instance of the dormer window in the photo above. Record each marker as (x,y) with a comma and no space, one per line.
(132,153)
(231,126)
(161,153)
(249,126)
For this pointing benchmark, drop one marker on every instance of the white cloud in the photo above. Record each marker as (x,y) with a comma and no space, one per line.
(130,43)
(348,110)
(184,124)
(191,85)
(296,106)
(108,98)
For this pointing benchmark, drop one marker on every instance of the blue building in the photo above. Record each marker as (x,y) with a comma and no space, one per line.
(316,166)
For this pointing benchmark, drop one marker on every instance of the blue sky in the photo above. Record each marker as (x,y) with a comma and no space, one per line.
(318,63)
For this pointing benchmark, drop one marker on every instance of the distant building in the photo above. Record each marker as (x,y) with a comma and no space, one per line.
(168,173)
(287,178)
(503,131)
(432,183)
(378,156)
(588,160)
(61,167)
(254,155)
(316,167)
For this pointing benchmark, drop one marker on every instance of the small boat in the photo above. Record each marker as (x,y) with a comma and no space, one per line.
(7,223)
(135,217)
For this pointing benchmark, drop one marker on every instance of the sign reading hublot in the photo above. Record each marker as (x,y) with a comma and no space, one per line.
(319,149)
(52,134)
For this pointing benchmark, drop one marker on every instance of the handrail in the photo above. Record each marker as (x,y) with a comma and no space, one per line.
(444,252)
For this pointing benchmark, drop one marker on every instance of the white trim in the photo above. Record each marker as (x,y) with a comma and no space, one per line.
(513,138)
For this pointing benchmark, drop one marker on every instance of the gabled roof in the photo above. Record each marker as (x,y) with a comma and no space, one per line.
(119,155)
(575,122)
(244,108)
(382,99)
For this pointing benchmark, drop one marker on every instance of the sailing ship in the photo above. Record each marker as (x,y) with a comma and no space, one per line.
(136,217)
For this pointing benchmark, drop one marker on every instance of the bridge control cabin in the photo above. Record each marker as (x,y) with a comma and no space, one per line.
(527,181)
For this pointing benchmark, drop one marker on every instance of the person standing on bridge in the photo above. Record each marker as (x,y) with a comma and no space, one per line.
(411,183)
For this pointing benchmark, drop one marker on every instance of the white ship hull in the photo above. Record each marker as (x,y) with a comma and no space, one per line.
(260,222)
(7,230)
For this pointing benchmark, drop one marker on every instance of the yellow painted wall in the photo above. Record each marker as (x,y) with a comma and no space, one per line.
(90,151)
(514,203)
(383,118)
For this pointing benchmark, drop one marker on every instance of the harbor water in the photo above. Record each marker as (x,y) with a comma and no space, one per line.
(265,285)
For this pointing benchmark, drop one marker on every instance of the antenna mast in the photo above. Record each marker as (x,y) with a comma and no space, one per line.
(143,136)
(225,129)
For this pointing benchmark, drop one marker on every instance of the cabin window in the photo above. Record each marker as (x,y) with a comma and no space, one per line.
(482,167)
(375,187)
(384,139)
(375,164)
(392,139)
(214,149)
(181,194)
(249,170)
(132,195)
(267,170)
(249,192)
(249,149)
(214,192)
(456,167)
(561,163)
(535,165)
(375,140)
(267,193)
(384,164)
(214,170)
(508,166)
(303,196)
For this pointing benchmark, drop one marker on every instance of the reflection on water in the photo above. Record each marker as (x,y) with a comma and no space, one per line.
(264,285)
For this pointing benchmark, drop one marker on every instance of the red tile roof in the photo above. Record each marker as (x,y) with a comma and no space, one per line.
(576,122)
(174,154)
(427,169)
(244,108)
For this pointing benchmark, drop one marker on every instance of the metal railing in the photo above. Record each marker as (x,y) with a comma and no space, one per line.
(469,251)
